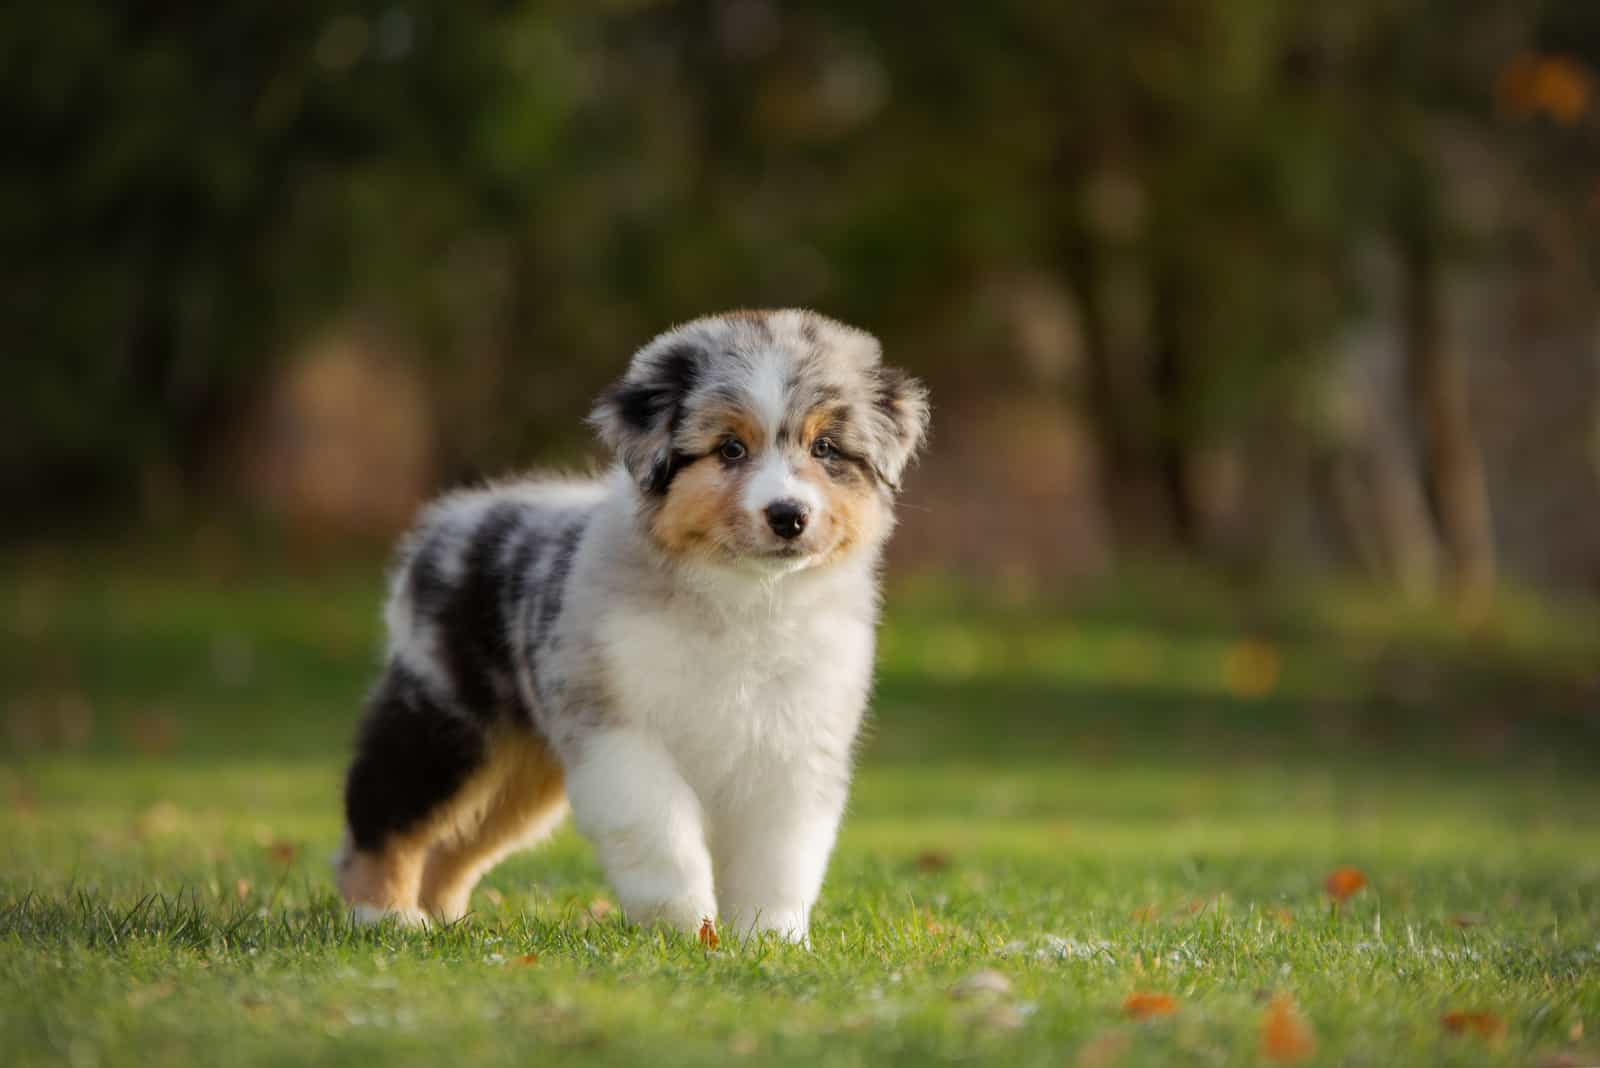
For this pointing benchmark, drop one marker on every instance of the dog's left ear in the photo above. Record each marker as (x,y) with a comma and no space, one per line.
(899,421)
(638,415)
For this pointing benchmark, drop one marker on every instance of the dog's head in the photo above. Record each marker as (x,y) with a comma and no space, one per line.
(775,439)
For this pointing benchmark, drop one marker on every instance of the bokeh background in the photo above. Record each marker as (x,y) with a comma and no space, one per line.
(1225,305)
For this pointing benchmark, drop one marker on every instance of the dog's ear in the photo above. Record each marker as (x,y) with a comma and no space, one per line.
(637,417)
(899,421)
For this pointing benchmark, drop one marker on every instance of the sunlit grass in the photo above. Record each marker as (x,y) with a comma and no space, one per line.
(1136,790)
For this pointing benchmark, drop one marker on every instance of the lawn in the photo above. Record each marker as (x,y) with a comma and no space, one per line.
(1138,792)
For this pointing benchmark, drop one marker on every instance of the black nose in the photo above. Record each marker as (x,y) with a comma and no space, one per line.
(787,517)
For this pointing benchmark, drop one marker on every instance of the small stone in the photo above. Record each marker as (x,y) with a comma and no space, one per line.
(985,982)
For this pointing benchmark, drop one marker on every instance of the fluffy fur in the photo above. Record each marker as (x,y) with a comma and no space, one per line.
(680,650)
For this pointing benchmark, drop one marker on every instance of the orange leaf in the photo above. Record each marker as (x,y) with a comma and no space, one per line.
(526,960)
(241,889)
(708,933)
(932,860)
(1144,914)
(1486,1025)
(1285,1036)
(1251,668)
(282,852)
(1142,1006)
(1341,883)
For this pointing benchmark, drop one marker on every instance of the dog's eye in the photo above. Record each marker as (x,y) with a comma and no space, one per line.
(824,449)
(733,449)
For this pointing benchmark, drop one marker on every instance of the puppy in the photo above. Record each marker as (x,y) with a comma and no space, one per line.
(680,650)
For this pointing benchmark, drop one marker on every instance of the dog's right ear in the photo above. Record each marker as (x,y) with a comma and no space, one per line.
(637,417)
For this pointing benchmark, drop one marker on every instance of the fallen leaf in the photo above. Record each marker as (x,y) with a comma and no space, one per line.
(1286,1038)
(708,933)
(1284,917)
(1251,668)
(1469,919)
(241,889)
(1104,1050)
(931,860)
(282,852)
(1341,883)
(1144,914)
(526,960)
(1575,1032)
(600,908)
(981,983)
(1486,1025)
(1143,1006)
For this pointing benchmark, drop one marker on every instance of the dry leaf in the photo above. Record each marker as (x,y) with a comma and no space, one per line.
(241,889)
(1284,917)
(931,860)
(1104,1050)
(1142,1006)
(1575,1032)
(282,852)
(1341,883)
(600,908)
(526,960)
(1144,914)
(1486,1025)
(708,933)
(984,982)
(1469,919)
(1251,668)
(1286,1038)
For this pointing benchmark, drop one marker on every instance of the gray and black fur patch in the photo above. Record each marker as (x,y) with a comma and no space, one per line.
(472,574)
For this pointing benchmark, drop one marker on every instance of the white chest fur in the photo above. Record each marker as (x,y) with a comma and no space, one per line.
(773,691)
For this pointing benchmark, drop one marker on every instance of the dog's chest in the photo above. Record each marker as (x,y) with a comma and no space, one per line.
(742,693)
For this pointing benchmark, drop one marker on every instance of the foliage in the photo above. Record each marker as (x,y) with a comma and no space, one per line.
(532,189)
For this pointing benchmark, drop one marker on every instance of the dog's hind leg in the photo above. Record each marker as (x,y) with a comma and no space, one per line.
(522,801)
(415,759)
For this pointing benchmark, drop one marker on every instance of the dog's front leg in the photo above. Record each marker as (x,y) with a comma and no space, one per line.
(772,855)
(645,822)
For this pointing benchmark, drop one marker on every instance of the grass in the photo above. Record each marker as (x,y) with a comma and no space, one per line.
(1137,790)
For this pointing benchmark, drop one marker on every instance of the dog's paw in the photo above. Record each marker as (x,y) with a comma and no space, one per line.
(683,914)
(370,915)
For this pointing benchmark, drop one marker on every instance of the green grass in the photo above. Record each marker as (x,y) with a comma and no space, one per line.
(1137,790)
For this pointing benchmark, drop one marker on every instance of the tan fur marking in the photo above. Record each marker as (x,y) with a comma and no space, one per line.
(510,802)
(856,512)
(816,421)
(701,502)
(719,423)
(525,806)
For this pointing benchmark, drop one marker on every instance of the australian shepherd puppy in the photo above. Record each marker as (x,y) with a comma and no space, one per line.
(680,650)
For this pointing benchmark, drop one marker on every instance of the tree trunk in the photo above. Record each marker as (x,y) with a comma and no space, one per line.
(1171,385)
(1438,387)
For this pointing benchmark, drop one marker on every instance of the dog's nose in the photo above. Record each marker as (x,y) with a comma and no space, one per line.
(787,517)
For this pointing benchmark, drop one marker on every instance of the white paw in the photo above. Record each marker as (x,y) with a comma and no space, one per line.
(788,924)
(684,914)
(369,915)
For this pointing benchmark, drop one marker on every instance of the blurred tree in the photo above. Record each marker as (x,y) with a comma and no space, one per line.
(530,189)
